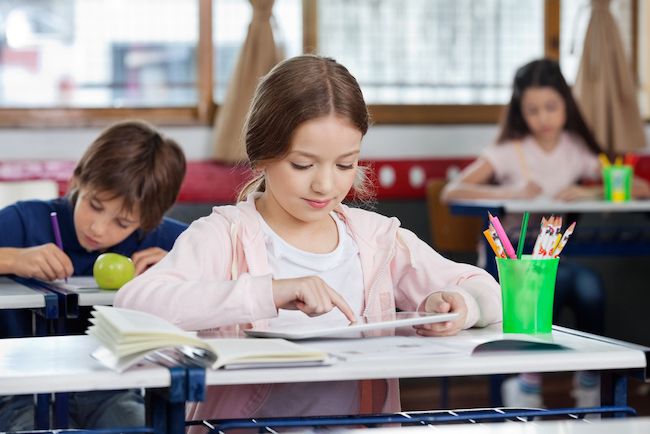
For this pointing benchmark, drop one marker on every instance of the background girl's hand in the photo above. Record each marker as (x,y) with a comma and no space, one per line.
(530,191)
(45,262)
(146,258)
(444,302)
(310,295)
(640,188)
(578,192)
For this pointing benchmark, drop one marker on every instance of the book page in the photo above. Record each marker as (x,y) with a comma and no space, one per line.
(385,347)
(262,351)
(78,283)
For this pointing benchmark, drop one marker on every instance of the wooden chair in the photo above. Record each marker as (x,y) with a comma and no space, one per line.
(450,233)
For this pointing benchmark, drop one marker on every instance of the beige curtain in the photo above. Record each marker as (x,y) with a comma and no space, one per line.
(605,88)
(257,57)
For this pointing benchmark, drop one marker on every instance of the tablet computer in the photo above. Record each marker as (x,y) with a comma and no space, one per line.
(307,330)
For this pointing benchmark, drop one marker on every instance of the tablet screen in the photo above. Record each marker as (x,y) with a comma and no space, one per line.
(305,330)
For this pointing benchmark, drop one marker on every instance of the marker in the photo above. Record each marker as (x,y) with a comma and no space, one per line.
(604,160)
(510,251)
(57,233)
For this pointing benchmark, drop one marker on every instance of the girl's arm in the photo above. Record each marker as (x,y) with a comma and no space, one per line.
(421,272)
(472,183)
(192,287)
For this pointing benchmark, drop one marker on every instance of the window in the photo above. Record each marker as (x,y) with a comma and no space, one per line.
(77,62)
(432,52)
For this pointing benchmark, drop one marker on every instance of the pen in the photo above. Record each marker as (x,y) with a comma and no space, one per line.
(57,233)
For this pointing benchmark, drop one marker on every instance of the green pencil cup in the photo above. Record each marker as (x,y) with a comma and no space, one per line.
(527,289)
(617,182)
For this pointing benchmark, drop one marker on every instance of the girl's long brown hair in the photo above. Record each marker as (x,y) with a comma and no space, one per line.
(543,73)
(297,90)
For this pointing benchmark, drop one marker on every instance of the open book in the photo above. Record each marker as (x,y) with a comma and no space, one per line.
(128,336)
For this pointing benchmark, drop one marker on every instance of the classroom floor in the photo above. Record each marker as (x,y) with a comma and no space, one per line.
(473,392)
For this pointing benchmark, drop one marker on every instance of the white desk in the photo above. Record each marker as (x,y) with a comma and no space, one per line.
(548,206)
(64,364)
(640,425)
(13,295)
(587,354)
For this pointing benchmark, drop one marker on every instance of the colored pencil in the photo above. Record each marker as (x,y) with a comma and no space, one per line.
(522,235)
(57,232)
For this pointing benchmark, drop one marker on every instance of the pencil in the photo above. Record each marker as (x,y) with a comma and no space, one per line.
(522,160)
(57,232)
(497,242)
(488,236)
(522,235)
(538,240)
(564,240)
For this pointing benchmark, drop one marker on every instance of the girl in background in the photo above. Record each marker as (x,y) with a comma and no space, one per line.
(544,149)
(291,251)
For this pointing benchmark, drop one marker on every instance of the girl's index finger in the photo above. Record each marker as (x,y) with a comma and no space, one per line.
(343,306)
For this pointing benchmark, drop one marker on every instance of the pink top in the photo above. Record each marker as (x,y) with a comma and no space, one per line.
(570,162)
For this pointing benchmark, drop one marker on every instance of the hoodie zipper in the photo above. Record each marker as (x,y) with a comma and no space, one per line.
(372,288)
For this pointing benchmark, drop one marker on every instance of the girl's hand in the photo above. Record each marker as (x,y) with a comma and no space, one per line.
(530,191)
(580,192)
(640,188)
(444,302)
(45,262)
(144,259)
(310,295)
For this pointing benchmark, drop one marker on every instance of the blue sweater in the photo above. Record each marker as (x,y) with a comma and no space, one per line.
(28,224)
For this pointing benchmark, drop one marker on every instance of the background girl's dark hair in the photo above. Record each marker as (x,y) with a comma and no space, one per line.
(297,90)
(543,73)
(132,160)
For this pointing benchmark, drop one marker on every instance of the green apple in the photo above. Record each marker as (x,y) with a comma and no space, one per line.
(111,270)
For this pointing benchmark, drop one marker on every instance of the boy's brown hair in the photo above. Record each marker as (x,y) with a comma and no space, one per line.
(132,160)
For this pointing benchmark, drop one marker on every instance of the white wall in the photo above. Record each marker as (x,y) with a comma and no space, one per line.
(381,142)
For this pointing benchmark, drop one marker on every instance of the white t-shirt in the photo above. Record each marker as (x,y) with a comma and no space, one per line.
(570,162)
(341,270)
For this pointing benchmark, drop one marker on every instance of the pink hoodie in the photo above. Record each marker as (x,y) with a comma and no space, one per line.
(217,275)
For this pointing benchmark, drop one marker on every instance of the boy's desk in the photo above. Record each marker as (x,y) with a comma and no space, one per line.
(76,293)
(42,302)
(58,364)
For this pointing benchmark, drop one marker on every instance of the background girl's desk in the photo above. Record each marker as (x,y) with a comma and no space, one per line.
(480,207)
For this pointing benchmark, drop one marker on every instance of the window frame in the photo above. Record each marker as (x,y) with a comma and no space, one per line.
(203,113)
